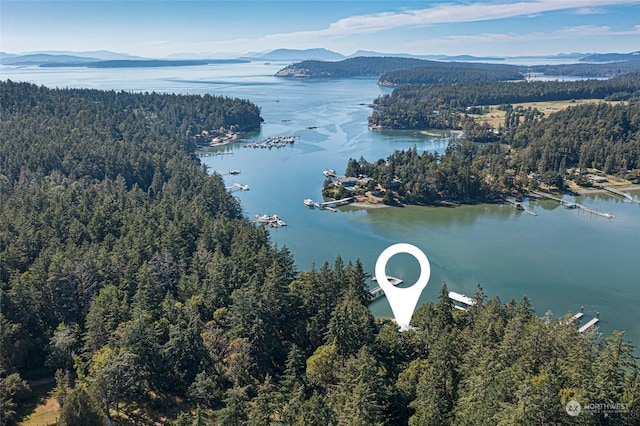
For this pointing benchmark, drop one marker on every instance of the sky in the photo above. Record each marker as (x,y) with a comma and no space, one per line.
(162,29)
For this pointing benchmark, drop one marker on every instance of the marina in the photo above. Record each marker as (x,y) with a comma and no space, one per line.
(273,221)
(271,142)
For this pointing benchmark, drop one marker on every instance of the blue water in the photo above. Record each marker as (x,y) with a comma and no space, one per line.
(562,259)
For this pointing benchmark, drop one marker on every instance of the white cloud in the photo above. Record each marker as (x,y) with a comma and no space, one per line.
(589,11)
(570,33)
(458,13)
(339,32)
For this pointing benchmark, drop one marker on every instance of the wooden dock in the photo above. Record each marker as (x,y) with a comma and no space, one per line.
(571,205)
(620,193)
(378,292)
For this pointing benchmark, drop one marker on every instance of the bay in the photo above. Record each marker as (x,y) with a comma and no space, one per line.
(561,259)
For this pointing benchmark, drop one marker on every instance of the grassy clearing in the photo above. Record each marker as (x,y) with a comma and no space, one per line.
(44,414)
(495,117)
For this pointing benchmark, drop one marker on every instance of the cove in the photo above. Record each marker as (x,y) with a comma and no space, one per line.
(561,259)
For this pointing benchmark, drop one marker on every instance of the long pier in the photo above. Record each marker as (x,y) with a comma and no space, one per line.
(378,292)
(620,193)
(571,205)
(341,202)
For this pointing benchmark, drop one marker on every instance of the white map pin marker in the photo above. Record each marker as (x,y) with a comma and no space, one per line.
(403,301)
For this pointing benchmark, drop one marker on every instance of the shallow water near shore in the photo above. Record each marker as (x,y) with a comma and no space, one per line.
(561,259)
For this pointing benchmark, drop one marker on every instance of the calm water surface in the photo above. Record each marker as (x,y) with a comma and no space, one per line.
(562,259)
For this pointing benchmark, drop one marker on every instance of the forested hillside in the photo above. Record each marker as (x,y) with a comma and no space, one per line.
(600,136)
(443,106)
(352,67)
(439,73)
(129,274)
(422,71)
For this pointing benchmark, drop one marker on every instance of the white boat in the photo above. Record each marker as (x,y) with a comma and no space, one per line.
(309,202)
(234,172)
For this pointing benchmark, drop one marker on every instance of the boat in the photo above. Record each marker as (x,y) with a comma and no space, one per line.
(309,202)
(234,172)
(329,173)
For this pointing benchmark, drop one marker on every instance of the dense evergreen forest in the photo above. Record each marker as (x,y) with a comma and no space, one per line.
(352,67)
(129,274)
(397,70)
(454,73)
(444,106)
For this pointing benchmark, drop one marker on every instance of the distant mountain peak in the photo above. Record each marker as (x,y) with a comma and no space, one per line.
(318,54)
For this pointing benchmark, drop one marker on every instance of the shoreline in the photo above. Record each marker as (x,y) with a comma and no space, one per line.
(363,205)
(587,191)
(366,205)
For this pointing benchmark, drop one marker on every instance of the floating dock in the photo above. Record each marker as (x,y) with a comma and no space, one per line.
(330,173)
(519,206)
(378,292)
(464,302)
(590,324)
(579,315)
(238,186)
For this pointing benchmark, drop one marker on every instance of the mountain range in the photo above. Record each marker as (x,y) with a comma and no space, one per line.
(52,58)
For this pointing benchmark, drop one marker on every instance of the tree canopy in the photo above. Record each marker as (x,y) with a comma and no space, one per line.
(129,272)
